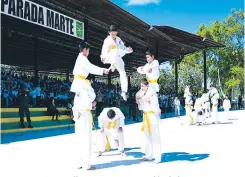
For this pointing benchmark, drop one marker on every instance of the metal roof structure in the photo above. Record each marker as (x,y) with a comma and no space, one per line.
(26,44)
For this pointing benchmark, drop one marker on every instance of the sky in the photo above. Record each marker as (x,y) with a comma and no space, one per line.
(183,14)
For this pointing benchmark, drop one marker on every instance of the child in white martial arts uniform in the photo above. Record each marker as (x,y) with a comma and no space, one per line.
(206,105)
(149,100)
(112,52)
(226,106)
(199,116)
(83,104)
(151,70)
(111,123)
(188,105)
(214,95)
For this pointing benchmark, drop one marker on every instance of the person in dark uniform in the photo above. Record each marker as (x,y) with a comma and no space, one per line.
(52,110)
(240,102)
(24,99)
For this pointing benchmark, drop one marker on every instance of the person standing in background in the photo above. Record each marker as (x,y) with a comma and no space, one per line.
(240,102)
(52,110)
(177,107)
(24,99)
(227,107)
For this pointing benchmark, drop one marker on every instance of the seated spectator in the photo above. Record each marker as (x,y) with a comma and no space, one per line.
(52,110)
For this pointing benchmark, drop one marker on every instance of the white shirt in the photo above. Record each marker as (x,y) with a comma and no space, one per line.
(83,68)
(103,119)
(226,104)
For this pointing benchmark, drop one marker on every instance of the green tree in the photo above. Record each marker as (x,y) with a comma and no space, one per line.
(229,60)
(135,79)
(166,81)
(192,76)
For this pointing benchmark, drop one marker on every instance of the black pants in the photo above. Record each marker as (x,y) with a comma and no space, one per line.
(22,111)
(38,100)
(55,112)
(98,108)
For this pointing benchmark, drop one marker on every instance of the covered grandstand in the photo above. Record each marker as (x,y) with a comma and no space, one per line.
(30,44)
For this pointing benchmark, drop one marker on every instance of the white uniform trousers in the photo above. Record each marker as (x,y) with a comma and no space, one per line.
(188,111)
(226,116)
(119,64)
(207,109)
(112,135)
(153,140)
(215,113)
(83,133)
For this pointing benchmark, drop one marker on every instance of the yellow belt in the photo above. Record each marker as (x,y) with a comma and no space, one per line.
(109,125)
(147,120)
(113,47)
(198,105)
(82,78)
(92,118)
(152,80)
(108,145)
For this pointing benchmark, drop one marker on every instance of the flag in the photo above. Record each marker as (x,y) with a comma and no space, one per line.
(79,29)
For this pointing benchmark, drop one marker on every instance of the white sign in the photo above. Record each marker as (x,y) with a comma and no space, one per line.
(40,15)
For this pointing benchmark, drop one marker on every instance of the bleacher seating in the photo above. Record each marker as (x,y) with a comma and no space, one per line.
(10,120)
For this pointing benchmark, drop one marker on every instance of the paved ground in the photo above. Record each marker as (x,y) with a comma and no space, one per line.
(187,151)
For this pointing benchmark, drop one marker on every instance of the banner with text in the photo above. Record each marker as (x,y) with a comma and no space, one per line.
(40,15)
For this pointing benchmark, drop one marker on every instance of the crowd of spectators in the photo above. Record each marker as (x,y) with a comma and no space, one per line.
(47,87)
(52,87)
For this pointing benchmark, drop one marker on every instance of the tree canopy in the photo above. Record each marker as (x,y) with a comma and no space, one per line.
(226,62)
